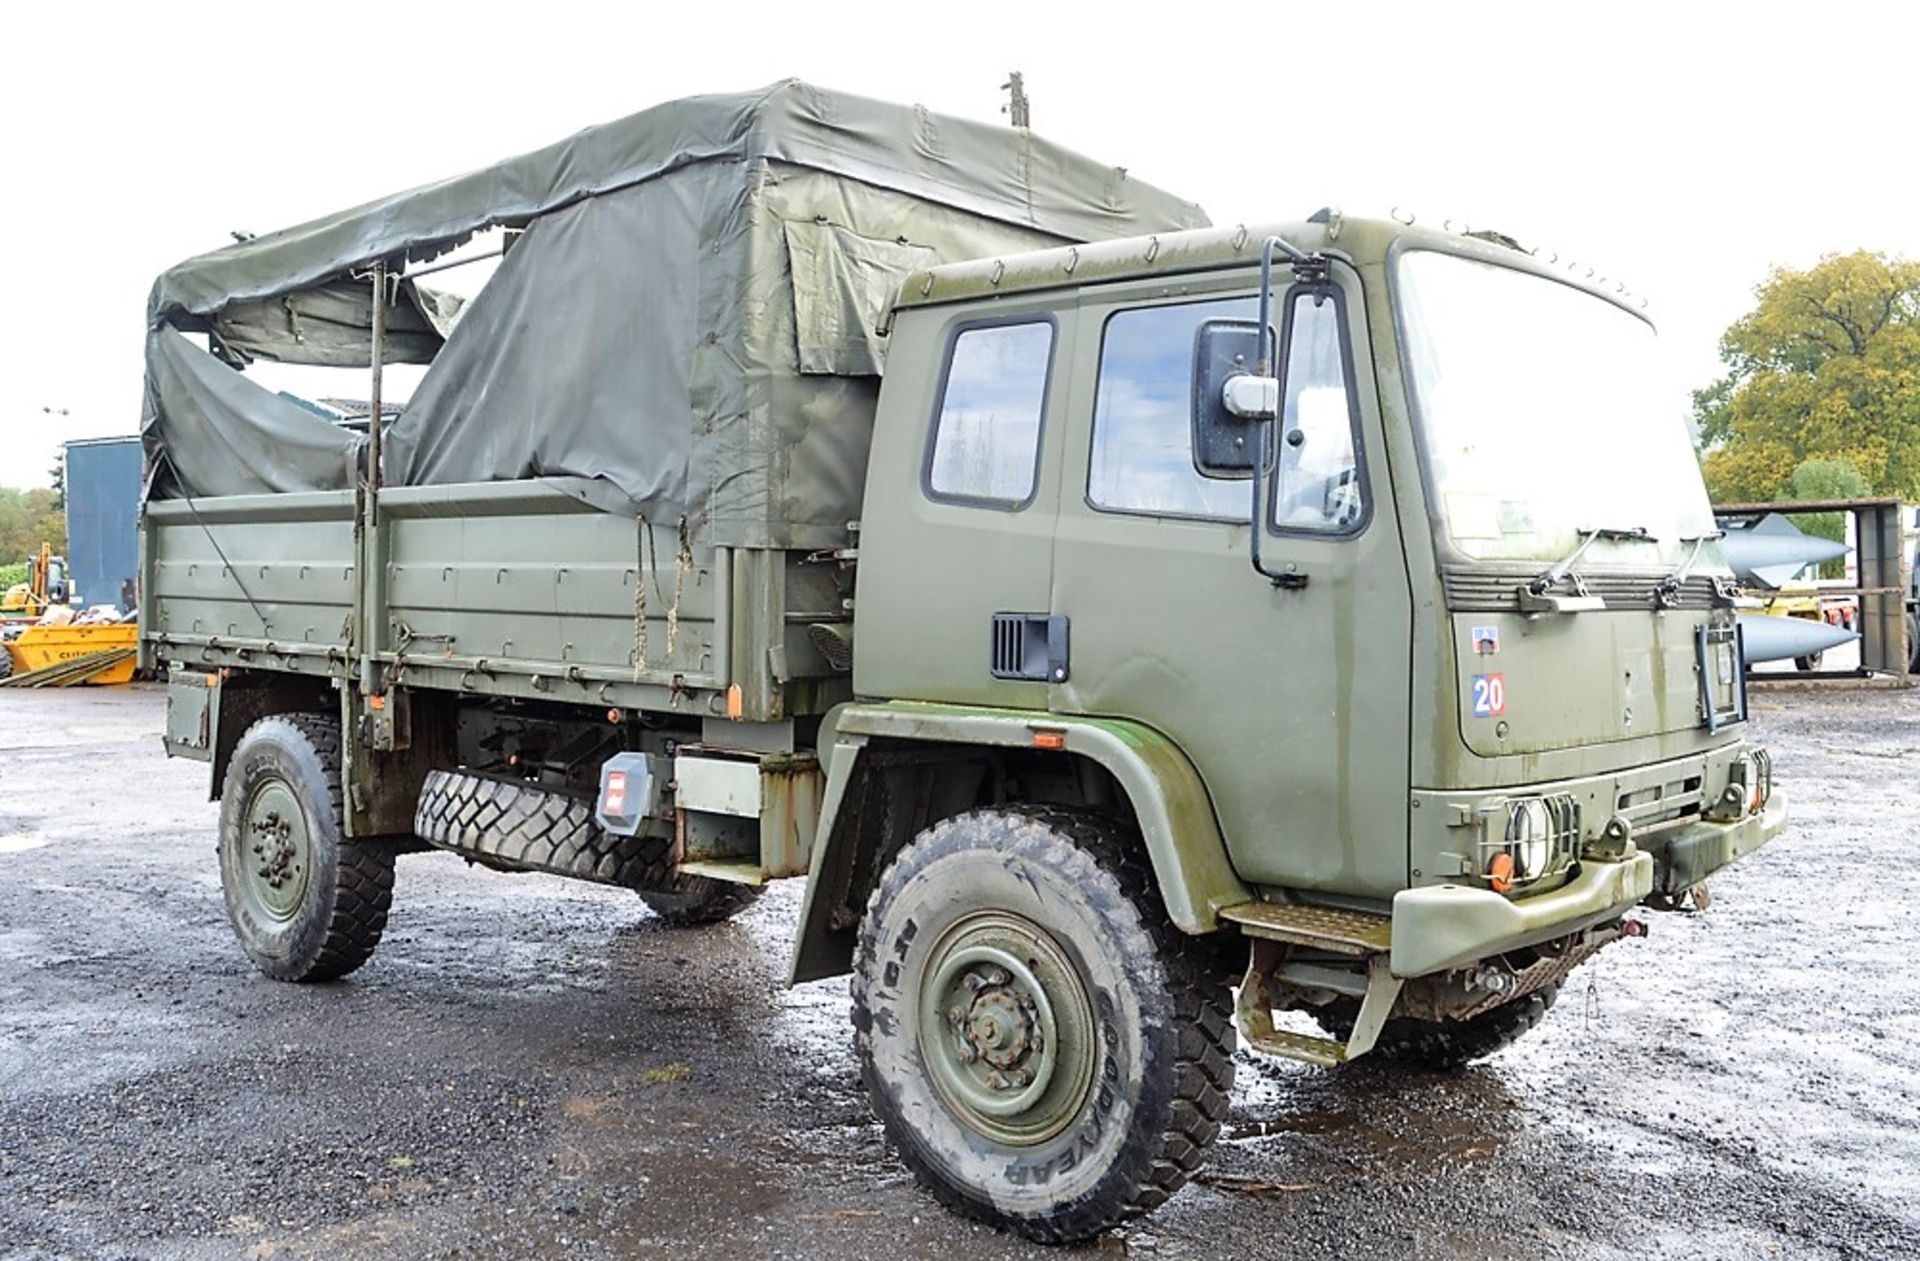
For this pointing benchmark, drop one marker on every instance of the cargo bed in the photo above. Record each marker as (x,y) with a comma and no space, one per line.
(510,589)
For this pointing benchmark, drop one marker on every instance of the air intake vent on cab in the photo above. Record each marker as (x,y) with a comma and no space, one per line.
(1030,646)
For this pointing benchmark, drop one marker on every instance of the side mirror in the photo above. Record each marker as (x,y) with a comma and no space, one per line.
(1230,403)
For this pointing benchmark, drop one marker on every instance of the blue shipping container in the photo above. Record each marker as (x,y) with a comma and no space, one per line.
(103,519)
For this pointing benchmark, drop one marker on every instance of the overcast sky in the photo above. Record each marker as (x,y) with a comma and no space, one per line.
(1682,148)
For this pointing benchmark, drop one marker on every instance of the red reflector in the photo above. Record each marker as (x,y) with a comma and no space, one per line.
(616,794)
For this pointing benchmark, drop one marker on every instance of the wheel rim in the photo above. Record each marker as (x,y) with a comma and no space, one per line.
(1007,1029)
(275,852)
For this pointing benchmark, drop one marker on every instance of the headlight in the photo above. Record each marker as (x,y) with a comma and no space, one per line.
(1529,837)
(1536,838)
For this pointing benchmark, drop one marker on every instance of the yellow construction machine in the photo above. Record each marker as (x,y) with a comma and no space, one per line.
(46,586)
(42,646)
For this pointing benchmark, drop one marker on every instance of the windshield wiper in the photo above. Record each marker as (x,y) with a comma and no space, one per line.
(1556,575)
(1666,594)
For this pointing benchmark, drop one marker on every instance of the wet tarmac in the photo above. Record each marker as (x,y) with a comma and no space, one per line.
(536,1069)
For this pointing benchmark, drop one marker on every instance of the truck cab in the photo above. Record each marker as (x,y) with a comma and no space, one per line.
(1446,643)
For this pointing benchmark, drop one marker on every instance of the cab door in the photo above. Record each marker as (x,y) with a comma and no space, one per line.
(1292,700)
(962,491)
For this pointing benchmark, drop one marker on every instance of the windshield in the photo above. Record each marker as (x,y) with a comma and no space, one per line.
(1542,416)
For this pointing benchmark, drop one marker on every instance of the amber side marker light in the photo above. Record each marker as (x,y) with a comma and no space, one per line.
(1500,872)
(1049,739)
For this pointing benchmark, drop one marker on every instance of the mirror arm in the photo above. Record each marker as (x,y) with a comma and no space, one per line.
(1311,269)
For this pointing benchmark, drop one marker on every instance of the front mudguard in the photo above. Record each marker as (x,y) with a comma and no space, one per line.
(1178,831)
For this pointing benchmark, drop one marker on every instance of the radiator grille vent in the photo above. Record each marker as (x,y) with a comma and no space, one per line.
(1477,591)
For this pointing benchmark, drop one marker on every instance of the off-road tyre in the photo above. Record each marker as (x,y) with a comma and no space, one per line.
(1157,1064)
(1445,1044)
(690,901)
(337,907)
(6,662)
(1913,643)
(518,826)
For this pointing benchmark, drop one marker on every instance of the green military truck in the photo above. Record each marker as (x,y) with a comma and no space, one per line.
(1193,625)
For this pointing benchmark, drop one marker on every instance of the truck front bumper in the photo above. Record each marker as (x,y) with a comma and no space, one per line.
(1447,926)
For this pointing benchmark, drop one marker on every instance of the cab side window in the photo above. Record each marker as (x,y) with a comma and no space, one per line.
(1142,416)
(1318,486)
(1142,457)
(986,435)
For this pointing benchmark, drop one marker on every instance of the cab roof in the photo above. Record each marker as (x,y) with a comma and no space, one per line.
(1357,240)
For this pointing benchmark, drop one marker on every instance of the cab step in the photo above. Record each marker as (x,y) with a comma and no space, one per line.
(1321,927)
(1325,1052)
(1275,975)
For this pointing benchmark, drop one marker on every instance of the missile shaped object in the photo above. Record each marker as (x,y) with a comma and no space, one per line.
(1772,550)
(1765,637)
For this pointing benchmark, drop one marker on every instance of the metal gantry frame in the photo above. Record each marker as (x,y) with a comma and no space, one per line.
(1883,579)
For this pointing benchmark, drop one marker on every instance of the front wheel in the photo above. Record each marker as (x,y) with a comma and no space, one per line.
(1046,1051)
(307,902)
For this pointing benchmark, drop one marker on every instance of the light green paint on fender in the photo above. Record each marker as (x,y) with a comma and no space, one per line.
(1176,818)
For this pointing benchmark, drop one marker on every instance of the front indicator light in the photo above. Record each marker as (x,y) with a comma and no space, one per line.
(1500,872)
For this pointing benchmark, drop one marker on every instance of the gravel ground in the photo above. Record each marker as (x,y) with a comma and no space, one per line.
(531,1068)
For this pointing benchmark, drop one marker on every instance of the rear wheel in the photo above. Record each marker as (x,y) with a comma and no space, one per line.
(307,902)
(1445,1044)
(1046,1051)
(1809,663)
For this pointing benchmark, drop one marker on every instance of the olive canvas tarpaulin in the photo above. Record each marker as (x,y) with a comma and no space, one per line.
(686,326)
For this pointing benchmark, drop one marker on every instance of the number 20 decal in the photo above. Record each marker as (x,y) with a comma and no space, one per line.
(1489,696)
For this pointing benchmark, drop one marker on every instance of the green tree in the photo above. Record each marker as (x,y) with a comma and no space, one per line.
(28,518)
(1827,479)
(1824,370)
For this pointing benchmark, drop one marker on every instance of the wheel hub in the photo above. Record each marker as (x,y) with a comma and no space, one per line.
(1006,1029)
(274,848)
(274,865)
(1001,1027)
